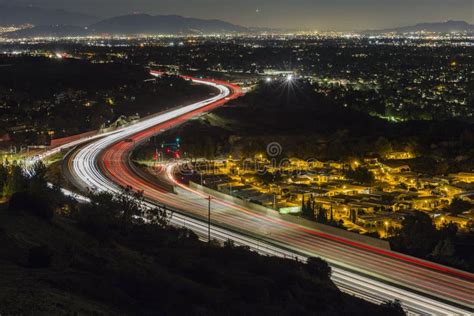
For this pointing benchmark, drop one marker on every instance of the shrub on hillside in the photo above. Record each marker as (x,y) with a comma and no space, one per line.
(39,257)
(318,268)
(35,205)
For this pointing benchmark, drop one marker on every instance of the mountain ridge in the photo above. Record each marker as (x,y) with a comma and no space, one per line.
(135,24)
(164,24)
(17,15)
(435,27)
(61,23)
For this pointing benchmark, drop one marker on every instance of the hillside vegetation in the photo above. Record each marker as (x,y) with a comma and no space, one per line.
(58,257)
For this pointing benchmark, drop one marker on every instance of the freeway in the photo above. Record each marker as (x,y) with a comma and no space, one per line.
(365,271)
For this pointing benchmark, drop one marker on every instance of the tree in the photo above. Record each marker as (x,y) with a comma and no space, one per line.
(108,212)
(129,205)
(459,206)
(209,148)
(267,177)
(448,231)
(37,183)
(361,175)
(319,268)
(159,216)
(229,244)
(444,249)
(38,171)
(16,181)
(383,146)
(124,205)
(307,208)
(37,205)
(393,308)
(418,235)
(322,216)
(3,177)
(353,215)
(304,210)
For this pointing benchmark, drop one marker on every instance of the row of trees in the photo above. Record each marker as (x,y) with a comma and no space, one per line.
(109,214)
(421,238)
(27,190)
(317,213)
(14,178)
(418,235)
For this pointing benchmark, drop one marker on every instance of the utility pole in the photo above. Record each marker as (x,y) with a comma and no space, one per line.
(209,220)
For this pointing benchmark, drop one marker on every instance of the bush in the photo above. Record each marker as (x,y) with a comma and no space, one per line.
(39,257)
(458,206)
(19,201)
(393,308)
(361,175)
(35,205)
(95,222)
(318,268)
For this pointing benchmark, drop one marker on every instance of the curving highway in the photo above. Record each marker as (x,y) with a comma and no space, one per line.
(368,272)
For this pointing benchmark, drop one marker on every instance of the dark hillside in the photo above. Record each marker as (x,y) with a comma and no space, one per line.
(97,259)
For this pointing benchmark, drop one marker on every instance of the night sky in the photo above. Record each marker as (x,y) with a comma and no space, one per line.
(314,14)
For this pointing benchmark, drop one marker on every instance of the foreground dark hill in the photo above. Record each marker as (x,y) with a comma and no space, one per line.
(99,258)
(63,266)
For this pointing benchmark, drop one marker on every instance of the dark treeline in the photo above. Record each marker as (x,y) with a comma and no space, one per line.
(420,237)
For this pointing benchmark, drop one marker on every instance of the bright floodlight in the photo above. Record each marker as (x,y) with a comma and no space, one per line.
(268,79)
(289,78)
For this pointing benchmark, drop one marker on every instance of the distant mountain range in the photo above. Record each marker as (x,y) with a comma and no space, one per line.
(50,31)
(60,23)
(16,15)
(437,27)
(134,24)
(162,24)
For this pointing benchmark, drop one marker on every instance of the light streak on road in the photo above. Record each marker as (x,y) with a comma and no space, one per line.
(378,275)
